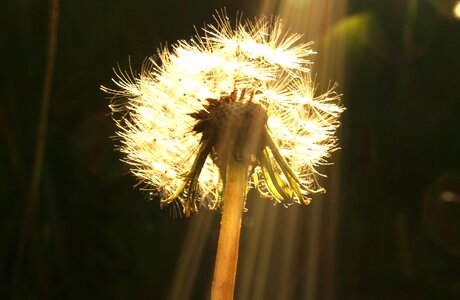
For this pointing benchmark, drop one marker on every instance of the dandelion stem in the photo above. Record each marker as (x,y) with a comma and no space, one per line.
(229,237)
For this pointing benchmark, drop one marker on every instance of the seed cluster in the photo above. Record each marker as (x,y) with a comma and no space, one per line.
(182,118)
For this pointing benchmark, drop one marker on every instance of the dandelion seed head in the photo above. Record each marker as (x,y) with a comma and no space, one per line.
(156,111)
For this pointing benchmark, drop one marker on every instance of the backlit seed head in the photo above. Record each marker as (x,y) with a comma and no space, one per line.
(242,90)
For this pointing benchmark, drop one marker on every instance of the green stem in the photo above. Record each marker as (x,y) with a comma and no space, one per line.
(223,284)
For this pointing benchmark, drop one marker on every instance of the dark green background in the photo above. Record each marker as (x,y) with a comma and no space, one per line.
(95,237)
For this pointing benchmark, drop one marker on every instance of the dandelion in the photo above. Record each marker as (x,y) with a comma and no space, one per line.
(175,123)
(232,108)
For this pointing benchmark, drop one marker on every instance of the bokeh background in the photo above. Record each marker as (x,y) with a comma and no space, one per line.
(73,227)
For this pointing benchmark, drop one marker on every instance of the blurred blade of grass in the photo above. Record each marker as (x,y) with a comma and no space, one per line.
(32,195)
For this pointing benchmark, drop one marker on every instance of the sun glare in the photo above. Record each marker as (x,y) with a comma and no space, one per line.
(456,10)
